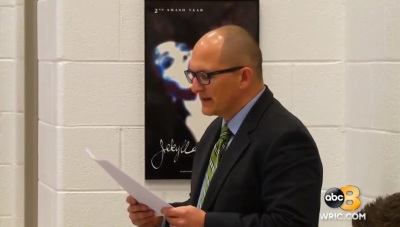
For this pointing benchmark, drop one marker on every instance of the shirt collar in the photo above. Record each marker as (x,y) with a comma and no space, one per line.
(238,119)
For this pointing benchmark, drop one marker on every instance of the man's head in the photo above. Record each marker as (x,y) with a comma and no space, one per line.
(384,211)
(233,51)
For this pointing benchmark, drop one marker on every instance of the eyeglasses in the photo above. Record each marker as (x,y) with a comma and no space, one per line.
(204,78)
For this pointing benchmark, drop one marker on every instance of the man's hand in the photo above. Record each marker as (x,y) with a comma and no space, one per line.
(184,216)
(141,215)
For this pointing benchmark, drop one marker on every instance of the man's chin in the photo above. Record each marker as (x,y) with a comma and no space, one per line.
(207,112)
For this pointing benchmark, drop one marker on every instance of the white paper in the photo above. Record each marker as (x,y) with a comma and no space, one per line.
(140,193)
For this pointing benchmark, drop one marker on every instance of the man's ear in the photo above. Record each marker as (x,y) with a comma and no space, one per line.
(247,77)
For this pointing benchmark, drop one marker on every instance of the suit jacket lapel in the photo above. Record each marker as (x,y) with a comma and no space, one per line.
(233,153)
(238,145)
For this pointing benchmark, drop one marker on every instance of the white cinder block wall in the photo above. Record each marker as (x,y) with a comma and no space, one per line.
(333,63)
(372,96)
(11,113)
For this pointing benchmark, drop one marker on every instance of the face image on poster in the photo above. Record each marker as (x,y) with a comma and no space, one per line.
(174,122)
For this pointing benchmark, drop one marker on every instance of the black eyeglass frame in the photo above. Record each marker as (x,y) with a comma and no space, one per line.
(209,74)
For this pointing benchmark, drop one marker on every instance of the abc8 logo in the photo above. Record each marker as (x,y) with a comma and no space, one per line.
(346,198)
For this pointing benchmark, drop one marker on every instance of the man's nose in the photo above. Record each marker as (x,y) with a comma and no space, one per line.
(196,86)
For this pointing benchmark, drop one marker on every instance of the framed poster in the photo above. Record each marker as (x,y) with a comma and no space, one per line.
(173,118)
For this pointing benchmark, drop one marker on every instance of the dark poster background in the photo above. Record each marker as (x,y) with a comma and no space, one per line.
(173,119)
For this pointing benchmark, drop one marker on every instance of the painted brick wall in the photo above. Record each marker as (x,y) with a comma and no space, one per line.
(11,113)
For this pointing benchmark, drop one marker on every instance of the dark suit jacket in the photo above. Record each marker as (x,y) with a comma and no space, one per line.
(270,175)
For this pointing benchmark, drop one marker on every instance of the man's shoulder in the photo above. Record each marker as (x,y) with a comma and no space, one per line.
(279,119)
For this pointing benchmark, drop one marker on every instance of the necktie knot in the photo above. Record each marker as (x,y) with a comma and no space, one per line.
(225,132)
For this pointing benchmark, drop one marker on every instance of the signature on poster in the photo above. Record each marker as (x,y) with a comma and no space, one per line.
(171,148)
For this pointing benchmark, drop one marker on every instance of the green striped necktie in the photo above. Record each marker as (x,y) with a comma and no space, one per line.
(216,154)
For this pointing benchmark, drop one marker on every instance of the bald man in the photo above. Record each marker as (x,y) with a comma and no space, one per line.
(256,164)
